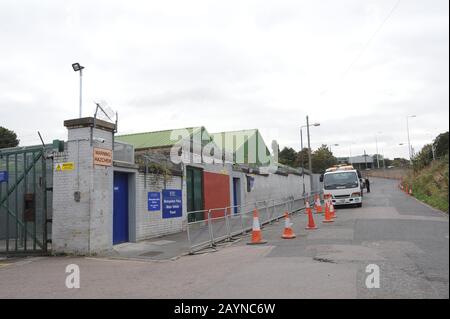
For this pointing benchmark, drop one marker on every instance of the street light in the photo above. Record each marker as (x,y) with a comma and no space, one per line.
(77,67)
(309,152)
(409,141)
(376,146)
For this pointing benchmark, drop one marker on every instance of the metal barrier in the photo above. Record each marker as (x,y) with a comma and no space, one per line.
(221,224)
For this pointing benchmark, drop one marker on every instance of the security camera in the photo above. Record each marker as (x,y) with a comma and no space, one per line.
(99,139)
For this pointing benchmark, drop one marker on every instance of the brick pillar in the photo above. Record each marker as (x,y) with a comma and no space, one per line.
(83,196)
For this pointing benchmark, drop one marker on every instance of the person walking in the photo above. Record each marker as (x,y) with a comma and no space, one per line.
(367,184)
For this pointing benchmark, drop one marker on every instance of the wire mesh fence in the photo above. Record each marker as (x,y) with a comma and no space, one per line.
(221,224)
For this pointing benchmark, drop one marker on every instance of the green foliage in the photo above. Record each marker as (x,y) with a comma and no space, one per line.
(430,184)
(288,156)
(399,162)
(423,158)
(441,144)
(302,158)
(322,158)
(8,138)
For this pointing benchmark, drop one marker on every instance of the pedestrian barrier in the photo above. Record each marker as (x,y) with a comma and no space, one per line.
(205,228)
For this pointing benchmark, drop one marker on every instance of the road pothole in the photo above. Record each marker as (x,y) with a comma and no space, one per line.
(324,260)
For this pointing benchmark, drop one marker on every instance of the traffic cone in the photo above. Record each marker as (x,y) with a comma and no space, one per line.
(328,218)
(256,230)
(318,205)
(410,190)
(332,210)
(311,225)
(288,233)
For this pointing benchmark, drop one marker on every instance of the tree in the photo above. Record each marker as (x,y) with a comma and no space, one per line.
(441,144)
(302,158)
(423,158)
(8,138)
(287,156)
(322,158)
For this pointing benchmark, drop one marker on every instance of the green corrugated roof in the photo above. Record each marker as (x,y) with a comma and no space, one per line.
(159,138)
(242,139)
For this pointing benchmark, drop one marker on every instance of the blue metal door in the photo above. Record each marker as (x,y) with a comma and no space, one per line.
(120,214)
(236,194)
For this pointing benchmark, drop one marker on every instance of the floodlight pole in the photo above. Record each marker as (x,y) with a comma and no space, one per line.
(309,154)
(81,85)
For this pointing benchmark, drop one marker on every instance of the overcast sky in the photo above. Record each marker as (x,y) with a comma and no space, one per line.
(357,67)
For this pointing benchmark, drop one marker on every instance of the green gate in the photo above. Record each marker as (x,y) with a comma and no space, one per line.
(25,200)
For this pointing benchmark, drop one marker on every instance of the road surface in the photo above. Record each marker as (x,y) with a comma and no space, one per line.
(406,240)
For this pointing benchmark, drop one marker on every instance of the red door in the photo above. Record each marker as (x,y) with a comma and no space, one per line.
(216,192)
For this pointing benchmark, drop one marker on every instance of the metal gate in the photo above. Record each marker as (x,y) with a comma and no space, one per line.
(25,200)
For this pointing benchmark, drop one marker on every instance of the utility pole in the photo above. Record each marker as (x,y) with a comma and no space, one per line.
(309,153)
(365,158)
(409,141)
(376,145)
(301,159)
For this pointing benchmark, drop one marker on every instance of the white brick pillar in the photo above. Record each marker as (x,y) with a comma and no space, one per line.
(83,196)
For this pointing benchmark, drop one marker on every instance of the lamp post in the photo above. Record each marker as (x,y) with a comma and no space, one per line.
(409,141)
(376,146)
(309,151)
(77,67)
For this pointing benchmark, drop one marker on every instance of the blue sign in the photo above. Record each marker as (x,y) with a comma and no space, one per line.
(172,202)
(3,176)
(154,201)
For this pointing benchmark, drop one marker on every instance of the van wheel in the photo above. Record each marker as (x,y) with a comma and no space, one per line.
(359,205)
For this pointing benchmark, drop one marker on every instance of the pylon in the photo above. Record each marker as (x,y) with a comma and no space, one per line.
(410,190)
(328,218)
(332,210)
(288,233)
(311,225)
(256,230)
(318,205)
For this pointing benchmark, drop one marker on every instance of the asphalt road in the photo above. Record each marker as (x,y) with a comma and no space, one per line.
(408,241)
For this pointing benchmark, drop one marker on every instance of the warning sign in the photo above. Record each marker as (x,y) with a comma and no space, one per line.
(102,157)
(67,166)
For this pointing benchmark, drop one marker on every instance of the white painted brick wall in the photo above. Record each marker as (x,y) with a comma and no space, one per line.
(150,223)
(83,227)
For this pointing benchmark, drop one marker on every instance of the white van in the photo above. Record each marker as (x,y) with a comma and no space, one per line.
(343,183)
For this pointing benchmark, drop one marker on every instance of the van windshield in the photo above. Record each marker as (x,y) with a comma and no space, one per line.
(340,180)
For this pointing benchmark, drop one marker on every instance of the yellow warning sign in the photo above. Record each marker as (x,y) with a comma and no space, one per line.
(67,166)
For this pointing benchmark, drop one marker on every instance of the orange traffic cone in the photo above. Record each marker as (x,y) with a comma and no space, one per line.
(288,233)
(328,218)
(311,224)
(332,211)
(256,230)
(318,205)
